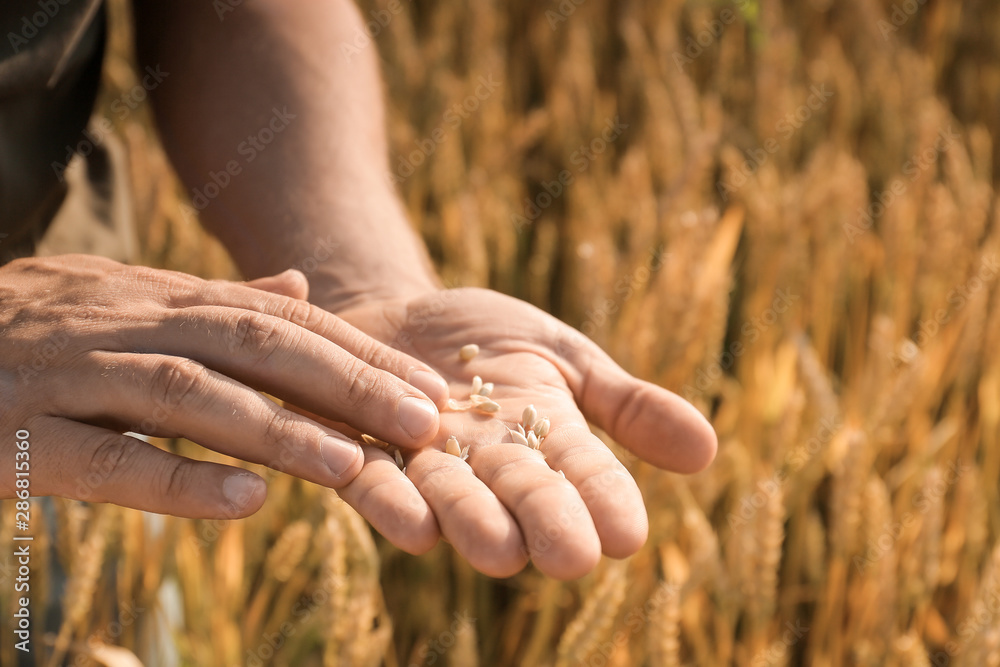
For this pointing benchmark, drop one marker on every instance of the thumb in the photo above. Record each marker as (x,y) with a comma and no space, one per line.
(291,283)
(655,424)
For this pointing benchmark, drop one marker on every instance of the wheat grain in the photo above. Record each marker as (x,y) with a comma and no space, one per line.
(374,442)
(529,416)
(488,407)
(452,447)
(532,440)
(587,258)
(475,400)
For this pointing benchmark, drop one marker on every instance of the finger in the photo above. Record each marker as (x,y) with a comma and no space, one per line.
(470,516)
(327,325)
(391,503)
(88,463)
(556,524)
(657,425)
(157,394)
(611,495)
(291,283)
(298,366)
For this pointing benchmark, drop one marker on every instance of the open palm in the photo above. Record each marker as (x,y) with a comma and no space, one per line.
(560,506)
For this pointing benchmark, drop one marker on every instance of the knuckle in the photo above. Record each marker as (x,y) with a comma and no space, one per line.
(278,438)
(175,381)
(111,457)
(363,385)
(299,313)
(436,478)
(161,280)
(157,284)
(256,334)
(379,355)
(177,479)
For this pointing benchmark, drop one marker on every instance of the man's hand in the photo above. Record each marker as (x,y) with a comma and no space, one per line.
(508,503)
(327,177)
(92,349)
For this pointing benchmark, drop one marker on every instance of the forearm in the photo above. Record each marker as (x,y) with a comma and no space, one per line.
(265,99)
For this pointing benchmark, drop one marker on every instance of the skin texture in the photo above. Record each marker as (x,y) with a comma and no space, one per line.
(93,349)
(317,196)
(508,502)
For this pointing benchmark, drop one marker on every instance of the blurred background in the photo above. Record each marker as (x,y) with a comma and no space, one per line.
(784,211)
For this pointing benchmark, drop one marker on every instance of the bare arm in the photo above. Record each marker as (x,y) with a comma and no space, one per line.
(323,176)
(272,70)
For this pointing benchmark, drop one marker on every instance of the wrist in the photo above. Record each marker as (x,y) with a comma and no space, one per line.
(352,251)
(377,257)
(329,290)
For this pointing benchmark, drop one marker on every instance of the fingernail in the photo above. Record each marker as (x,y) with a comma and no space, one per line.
(432,385)
(239,489)
(416,415)
(339,454)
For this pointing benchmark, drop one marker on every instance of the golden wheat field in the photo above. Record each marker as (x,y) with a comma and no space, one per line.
(784,211)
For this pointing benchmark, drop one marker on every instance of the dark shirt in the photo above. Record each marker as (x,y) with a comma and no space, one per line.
(50,67)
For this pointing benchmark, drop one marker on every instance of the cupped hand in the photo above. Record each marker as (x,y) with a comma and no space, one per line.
(561,505)
(93,349)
